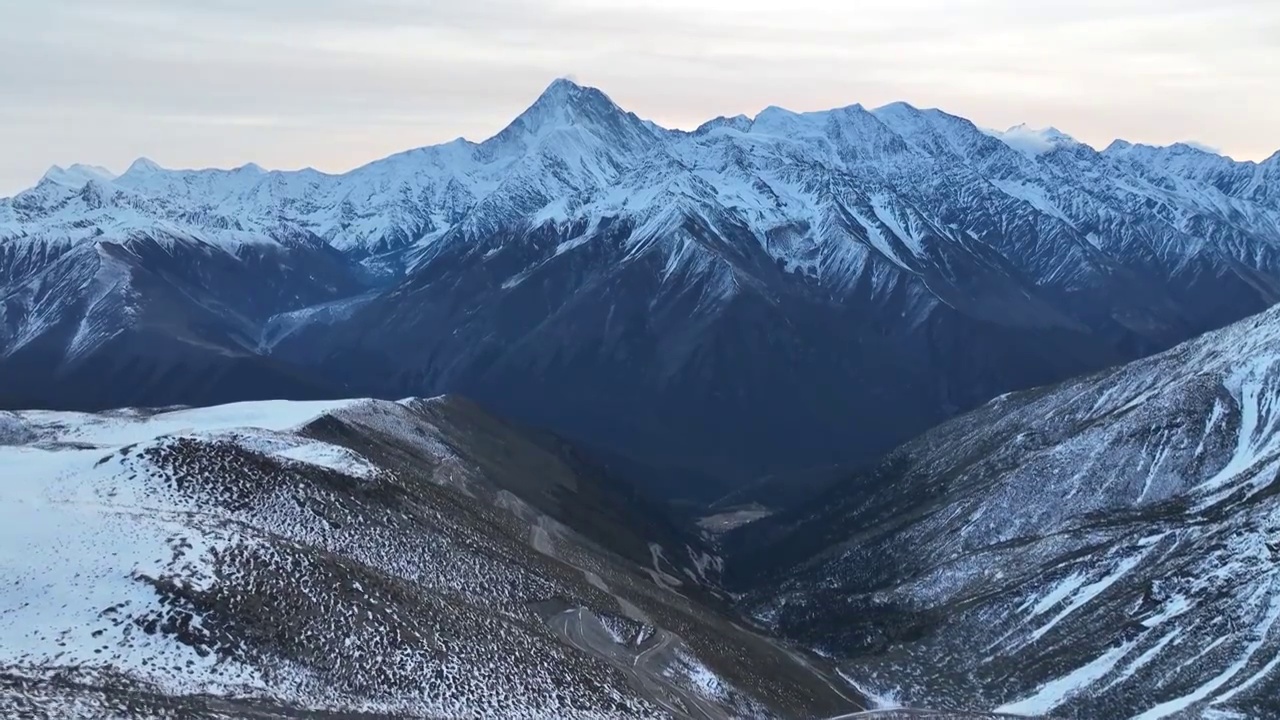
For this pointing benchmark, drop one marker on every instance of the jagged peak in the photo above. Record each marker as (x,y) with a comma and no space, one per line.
(775,117)
(565,102)
(774,113)
(143,166)
(563,86)
(1122,148)
(1183,149)
(738,122)
(568,105)
(77,175)
(775,110)
(865,122)
(94,193)
(898,107)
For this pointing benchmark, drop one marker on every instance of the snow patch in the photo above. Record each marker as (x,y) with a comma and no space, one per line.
(78,538)
(124,427)
(1056,692)
(889,699)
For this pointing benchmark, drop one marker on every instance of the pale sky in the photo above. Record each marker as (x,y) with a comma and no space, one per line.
(336,83)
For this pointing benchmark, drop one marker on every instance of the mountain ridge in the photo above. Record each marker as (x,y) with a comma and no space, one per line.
(358,558)
(562,86)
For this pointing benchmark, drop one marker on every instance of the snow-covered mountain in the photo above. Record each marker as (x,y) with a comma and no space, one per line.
(109,295)
(322,559)
(1107,547)
(757,294)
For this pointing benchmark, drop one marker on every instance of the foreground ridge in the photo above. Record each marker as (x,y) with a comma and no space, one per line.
(412,559)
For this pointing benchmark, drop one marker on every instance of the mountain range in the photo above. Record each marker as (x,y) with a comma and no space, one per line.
(766,294)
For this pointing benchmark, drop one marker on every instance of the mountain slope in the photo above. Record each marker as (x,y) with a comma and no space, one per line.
(760,294)
(411,559)
(687,374)
(1106,547)
(102,304)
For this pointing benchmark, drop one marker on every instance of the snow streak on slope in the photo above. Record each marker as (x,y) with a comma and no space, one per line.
(1055,693)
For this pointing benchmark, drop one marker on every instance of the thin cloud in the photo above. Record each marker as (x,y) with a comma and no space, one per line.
(1203,147)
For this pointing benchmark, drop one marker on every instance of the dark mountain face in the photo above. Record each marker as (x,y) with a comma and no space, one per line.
(157,320)
(760,295)
(1107,547)
(413,559)
(596,344)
